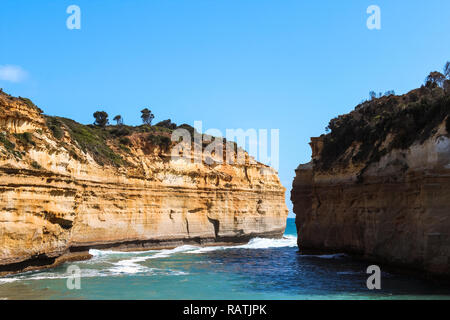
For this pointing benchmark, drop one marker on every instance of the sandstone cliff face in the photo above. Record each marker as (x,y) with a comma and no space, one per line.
(395,209)
(56,200)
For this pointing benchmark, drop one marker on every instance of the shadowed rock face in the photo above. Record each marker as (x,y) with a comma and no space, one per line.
(394,209)
(56,201)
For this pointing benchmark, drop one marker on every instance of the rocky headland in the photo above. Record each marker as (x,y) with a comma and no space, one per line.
(66,188)
(378,184)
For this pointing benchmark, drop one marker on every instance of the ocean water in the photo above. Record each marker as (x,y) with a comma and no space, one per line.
(260,269)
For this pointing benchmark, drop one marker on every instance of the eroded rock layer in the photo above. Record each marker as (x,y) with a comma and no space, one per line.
(56,200)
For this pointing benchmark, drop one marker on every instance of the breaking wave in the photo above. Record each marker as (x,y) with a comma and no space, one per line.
(263,243)
(131,262)
(255,243)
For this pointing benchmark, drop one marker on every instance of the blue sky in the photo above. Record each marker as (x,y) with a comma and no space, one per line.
(290,65)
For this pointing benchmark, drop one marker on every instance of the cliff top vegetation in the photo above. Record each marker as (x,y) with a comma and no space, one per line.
(359,136)
(107,144)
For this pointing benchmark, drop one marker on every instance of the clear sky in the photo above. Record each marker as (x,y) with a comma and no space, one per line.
(283,64)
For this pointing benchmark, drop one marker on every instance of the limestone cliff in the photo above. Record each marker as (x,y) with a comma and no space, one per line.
(379,183)
(65,188)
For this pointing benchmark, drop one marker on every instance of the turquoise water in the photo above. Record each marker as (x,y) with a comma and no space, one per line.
(261,269)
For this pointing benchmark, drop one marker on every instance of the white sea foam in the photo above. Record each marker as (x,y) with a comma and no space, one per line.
(7,280)
(130,266)
(169,252)
(263,243)
(256,243)
(177,273)
(38,276)
(104,253)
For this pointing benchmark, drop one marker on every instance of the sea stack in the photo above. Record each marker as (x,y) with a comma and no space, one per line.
(66,188)
(378,184)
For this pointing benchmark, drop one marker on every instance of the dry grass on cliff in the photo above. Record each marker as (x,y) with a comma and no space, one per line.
(108,145)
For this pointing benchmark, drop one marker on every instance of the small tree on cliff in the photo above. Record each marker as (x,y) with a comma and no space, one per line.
(147,116)
(118,119)
(435,78)
(101,118)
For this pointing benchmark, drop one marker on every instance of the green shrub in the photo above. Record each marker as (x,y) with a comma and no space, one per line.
(161,141)
(124,148)
(120,132)
(144,128)
(168,124)
(25,138)
(125,141)
(93,140)
(6,143)
(36,165)
(55,127)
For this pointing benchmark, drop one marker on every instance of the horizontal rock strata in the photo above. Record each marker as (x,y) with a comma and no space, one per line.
(56,201)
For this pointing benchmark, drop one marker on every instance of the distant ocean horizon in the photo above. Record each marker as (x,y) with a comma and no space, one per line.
(261,269)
